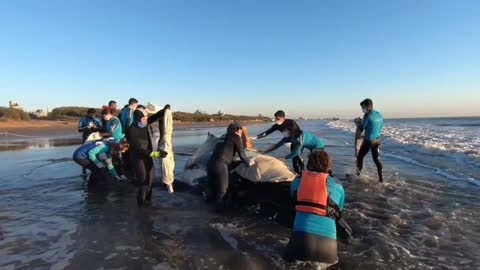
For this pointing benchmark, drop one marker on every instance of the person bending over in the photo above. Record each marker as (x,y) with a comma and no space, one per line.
(280,125)
(222,157)
(299,139)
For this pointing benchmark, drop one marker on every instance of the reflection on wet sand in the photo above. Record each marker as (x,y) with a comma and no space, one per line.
(15,145)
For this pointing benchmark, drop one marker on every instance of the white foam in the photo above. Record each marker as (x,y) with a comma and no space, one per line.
(452,151)
(438,171)
(454,139)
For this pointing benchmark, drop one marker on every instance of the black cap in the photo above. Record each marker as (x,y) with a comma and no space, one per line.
(234,126)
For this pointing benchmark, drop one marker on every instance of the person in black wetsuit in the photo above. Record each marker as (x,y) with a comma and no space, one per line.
(140,149)
(222,157)
(281,125)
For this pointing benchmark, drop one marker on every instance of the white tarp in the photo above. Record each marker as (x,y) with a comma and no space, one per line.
(265,169)
(168,163)
(93,137)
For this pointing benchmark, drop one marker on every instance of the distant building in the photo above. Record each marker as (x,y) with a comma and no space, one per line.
(152,108)
(38,114)
(14,105)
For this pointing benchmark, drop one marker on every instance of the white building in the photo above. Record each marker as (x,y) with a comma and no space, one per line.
(14,105)
(152,108)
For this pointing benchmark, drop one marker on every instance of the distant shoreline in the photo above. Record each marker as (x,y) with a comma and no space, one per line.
(15,130)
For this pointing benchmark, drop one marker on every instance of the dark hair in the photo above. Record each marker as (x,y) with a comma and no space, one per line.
(111,102)
(132,101)
(114,145)
(234,127)
(107,111)
(167,107)
(367,103)
(140,106)
(91,110)
(293,128)
(280,113)
(319,161)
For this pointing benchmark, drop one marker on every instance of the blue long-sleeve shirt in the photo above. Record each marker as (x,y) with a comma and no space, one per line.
(372,124)
(84,123)
(305,140)
(314,223)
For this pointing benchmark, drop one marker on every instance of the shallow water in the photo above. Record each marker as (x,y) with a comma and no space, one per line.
(419,219)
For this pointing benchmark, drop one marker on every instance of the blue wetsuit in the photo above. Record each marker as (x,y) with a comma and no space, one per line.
(372,124)
(88,154)
(305,140)
(114,127)
(126,118)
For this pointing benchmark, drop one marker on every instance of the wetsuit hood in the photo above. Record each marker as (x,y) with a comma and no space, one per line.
(138,114)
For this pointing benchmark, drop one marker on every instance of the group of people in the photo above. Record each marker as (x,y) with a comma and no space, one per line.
(120,145)
(318,198)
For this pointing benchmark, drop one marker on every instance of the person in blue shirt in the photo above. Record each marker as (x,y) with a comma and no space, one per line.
(96,155)
(126,116)
(319,202)
(371,123)
(87,125)
(113,126)
(300,139)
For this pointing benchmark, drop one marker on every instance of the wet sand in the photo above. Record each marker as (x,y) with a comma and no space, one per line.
(14,130)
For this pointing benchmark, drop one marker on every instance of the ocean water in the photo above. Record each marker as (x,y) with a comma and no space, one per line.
(424,217)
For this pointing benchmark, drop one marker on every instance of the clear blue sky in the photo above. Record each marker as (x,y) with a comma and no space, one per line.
(310,58)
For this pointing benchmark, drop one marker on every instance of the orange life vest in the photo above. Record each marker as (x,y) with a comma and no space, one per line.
(312,194)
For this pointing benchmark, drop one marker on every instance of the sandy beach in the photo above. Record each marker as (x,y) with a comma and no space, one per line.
(37,128)
(68,128)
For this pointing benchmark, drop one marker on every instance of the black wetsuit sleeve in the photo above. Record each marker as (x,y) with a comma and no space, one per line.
(240,150)
(155,117)
(283,141)
(268,132)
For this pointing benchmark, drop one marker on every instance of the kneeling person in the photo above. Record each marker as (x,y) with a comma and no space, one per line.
(318,204)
